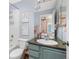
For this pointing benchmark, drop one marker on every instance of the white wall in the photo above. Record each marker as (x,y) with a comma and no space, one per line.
(14,28)
(16,23)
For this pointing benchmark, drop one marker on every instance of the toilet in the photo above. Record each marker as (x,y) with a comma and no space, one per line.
(17,52)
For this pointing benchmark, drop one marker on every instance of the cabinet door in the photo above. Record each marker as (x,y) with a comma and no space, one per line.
(32,57)
(49,54)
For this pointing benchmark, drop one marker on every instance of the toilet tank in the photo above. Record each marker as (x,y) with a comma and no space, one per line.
(22,43)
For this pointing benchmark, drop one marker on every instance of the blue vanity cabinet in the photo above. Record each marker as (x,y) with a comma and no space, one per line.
(31,57)
(50,53)
(34,51)
(41,52)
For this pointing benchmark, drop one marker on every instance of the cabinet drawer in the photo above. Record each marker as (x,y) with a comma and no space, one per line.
(52,49)
(33,47)
(33,57)
(49,54)
(33,53)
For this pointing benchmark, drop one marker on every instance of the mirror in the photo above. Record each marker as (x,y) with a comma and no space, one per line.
(47,25)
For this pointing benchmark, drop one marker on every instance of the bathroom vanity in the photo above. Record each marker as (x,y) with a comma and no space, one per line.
(40,51)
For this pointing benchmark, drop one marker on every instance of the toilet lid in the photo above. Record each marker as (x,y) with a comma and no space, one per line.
(16,52)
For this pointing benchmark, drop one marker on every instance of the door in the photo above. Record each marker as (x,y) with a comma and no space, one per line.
(49,54)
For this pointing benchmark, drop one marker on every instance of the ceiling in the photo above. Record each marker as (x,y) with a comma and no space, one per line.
(25,4)
(14,1)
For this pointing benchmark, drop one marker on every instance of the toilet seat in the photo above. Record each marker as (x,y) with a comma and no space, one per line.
(16,52)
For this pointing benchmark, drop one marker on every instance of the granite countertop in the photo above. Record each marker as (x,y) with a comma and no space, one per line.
(61,45)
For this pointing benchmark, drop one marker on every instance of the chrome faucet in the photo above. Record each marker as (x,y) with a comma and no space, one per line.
(46,37)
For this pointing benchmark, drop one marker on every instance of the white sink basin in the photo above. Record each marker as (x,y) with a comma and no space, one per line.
(47,42)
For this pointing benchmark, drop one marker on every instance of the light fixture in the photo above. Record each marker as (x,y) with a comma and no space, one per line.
(38,0)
